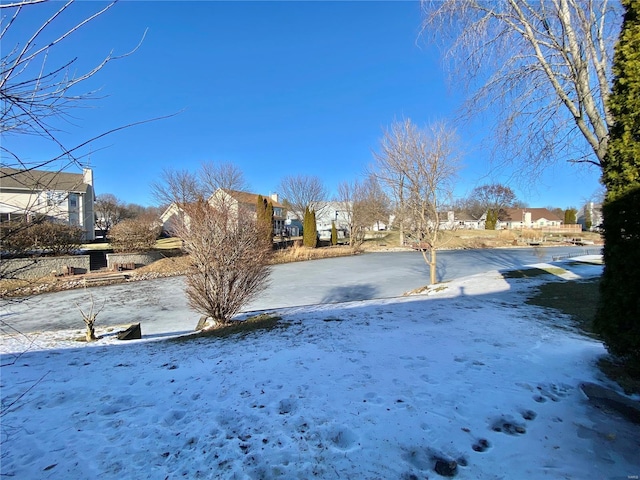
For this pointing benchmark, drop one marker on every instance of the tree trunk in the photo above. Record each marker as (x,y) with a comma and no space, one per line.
(432,266)
(90,334)
(430,259)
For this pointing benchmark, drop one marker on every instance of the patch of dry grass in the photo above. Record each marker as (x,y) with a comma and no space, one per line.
(175,265)
(237,327)
(301,254)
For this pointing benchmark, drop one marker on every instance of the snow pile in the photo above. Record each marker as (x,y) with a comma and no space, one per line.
(466,381)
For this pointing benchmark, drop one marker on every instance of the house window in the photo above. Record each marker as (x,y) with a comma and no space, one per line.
(54,198)
(73,201)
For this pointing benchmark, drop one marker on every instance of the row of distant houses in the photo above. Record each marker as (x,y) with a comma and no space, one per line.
(70,197)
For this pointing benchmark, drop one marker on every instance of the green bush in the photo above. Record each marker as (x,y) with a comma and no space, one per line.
(618,317)
(334,234)
(310,230)
(491,221)
(570,216)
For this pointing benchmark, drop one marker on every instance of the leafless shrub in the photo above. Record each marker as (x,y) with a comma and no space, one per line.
(134,235)
(21,239)
(229,257)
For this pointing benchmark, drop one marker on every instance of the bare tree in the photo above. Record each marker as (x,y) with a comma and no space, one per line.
(349,194)
(109,212)
(229,258)
(182,186)
(179,187)
(495,197)
(544,65)
(221,175)
(374,205)
(419,166)
(302,192)
(364,204)
(390,171)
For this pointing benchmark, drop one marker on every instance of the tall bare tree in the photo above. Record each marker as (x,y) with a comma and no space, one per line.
(109,212)
(495,197)
(303,191)
(374,206)
(223,175)
(543,64)
(419,166)
(181,186)
(175,186)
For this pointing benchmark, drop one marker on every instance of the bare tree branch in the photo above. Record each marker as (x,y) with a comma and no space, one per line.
(544,66)
(221,175)
(177,186)
(363,204)
(303,191)
(32,93)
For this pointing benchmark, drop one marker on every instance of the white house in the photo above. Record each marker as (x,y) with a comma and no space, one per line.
(535,218)
(332,212)
(235,199)
(58,196)
(590,216)
(461,221)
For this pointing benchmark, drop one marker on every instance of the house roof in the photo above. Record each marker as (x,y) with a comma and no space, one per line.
(249,198)
(244,198)
(34,180)
(467,217)
(516,214)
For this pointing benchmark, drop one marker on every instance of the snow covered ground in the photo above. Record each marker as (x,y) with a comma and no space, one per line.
(381,389)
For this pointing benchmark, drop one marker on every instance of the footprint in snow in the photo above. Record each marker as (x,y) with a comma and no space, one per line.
(508,426)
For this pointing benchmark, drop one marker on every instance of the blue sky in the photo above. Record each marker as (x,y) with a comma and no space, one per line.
(277,88)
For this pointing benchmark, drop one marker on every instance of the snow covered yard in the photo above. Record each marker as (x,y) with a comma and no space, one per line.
(389,389)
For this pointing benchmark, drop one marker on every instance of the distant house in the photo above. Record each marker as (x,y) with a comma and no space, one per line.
(237,201)
(461,221)
(534,218)
(56,196)
(590,216)
(340,214)
(333,212)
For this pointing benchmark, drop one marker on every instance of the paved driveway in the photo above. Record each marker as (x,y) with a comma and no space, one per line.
(160,305)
